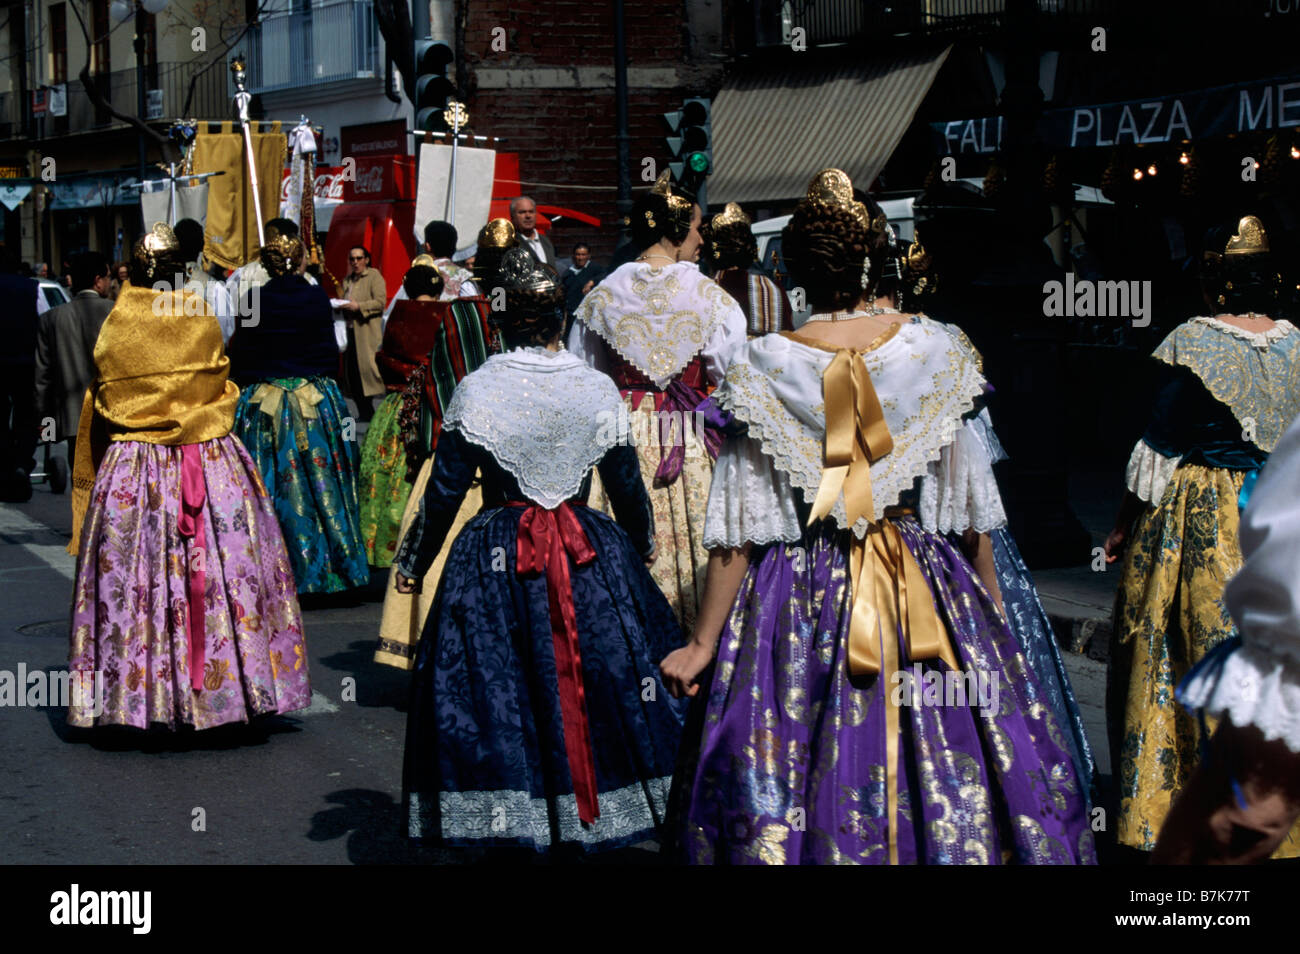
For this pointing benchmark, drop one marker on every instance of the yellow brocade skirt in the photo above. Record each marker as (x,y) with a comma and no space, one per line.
(1169,613)
(405,613)
(681,560)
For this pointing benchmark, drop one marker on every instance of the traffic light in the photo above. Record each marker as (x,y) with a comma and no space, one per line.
(433,88)
(697,139)
(691,144)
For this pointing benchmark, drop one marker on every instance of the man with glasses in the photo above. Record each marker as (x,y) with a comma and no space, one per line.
(366,296)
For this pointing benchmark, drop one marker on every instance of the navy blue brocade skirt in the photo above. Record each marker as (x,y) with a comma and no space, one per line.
(485,759)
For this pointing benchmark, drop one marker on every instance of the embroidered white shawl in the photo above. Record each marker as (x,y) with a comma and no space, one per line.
(926,383)
(658,319)
(544,415)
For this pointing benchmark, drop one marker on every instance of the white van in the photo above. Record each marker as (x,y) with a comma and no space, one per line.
(768,232)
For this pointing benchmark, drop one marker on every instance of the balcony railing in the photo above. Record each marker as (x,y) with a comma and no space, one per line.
(322,44)
(167,89)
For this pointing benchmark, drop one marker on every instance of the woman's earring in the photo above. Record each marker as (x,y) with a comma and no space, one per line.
(866,272)
(1223,299)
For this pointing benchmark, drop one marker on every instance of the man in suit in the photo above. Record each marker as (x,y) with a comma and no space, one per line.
(580,277)
(65,347)
(523,213)
(18,425)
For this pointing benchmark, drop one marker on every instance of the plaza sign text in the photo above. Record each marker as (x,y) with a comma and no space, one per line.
(1242,107)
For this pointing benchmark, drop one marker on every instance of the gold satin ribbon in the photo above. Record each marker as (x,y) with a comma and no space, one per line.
(270,397)
(890,594)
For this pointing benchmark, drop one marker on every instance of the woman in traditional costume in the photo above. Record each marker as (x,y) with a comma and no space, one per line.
(433,345)
(1230,386)
(496,238)
(538,717)
(665,333)
(185,595)
(409,336)
(730,252)
(870,703)
(291,415)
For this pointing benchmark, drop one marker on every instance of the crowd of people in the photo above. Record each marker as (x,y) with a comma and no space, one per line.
(661,564)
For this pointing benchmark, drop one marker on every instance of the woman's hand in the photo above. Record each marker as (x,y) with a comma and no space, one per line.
(405,584)
(1115,543)
(681,667)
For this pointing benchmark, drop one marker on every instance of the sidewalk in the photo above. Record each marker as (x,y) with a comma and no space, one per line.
(1078,601)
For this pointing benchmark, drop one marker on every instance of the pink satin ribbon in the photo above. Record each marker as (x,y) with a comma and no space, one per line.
(194,493)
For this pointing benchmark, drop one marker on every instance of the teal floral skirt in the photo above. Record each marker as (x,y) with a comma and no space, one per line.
(294,430)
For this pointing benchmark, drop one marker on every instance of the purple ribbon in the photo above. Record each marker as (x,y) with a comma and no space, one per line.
(682,400)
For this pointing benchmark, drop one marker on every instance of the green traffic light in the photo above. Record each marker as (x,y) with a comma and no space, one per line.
(698,162)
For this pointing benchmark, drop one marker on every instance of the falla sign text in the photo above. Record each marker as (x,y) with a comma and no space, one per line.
(1242,107)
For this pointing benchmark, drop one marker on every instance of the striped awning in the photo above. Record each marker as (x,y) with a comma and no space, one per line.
(773,130)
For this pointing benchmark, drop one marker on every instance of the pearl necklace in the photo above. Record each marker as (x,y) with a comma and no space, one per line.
(850,315)
(646,258)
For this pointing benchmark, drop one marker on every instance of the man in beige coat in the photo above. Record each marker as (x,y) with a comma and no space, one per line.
(367,295)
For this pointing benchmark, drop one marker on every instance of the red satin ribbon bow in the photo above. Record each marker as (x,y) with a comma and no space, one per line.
(545,537)
(189,522)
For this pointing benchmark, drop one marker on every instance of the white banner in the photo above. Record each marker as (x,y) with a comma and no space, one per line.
(12,195)
(58,101)
(191,202)
(475,170)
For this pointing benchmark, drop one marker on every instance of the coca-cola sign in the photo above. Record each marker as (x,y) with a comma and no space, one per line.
(329,184)
(370,181)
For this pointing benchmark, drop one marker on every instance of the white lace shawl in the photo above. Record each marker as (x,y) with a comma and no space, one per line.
(658,319)
(925,385)
(1259,683)
(545,416)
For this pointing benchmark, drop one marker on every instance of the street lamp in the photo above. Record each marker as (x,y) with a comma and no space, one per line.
(120,10)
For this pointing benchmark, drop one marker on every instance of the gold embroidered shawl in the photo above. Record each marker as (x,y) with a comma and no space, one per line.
(161,378)
(1256,376)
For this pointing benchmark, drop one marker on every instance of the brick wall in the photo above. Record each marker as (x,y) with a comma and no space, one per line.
(566,137)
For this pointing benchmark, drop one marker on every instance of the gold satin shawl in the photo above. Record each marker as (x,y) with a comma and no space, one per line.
(161,378)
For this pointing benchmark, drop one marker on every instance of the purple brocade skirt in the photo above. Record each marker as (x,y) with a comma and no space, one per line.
(131,603)
(792,760)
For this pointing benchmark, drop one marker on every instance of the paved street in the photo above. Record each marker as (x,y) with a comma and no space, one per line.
(319,787)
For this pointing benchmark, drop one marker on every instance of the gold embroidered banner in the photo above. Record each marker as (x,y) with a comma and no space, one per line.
(231,230)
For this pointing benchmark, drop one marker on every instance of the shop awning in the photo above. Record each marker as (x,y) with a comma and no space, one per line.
(773,130)
(93,192)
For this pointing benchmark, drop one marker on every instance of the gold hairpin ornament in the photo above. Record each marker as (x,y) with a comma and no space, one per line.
(732,214)
(677,204)
(497,233)
(1251,239)
(834,188)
